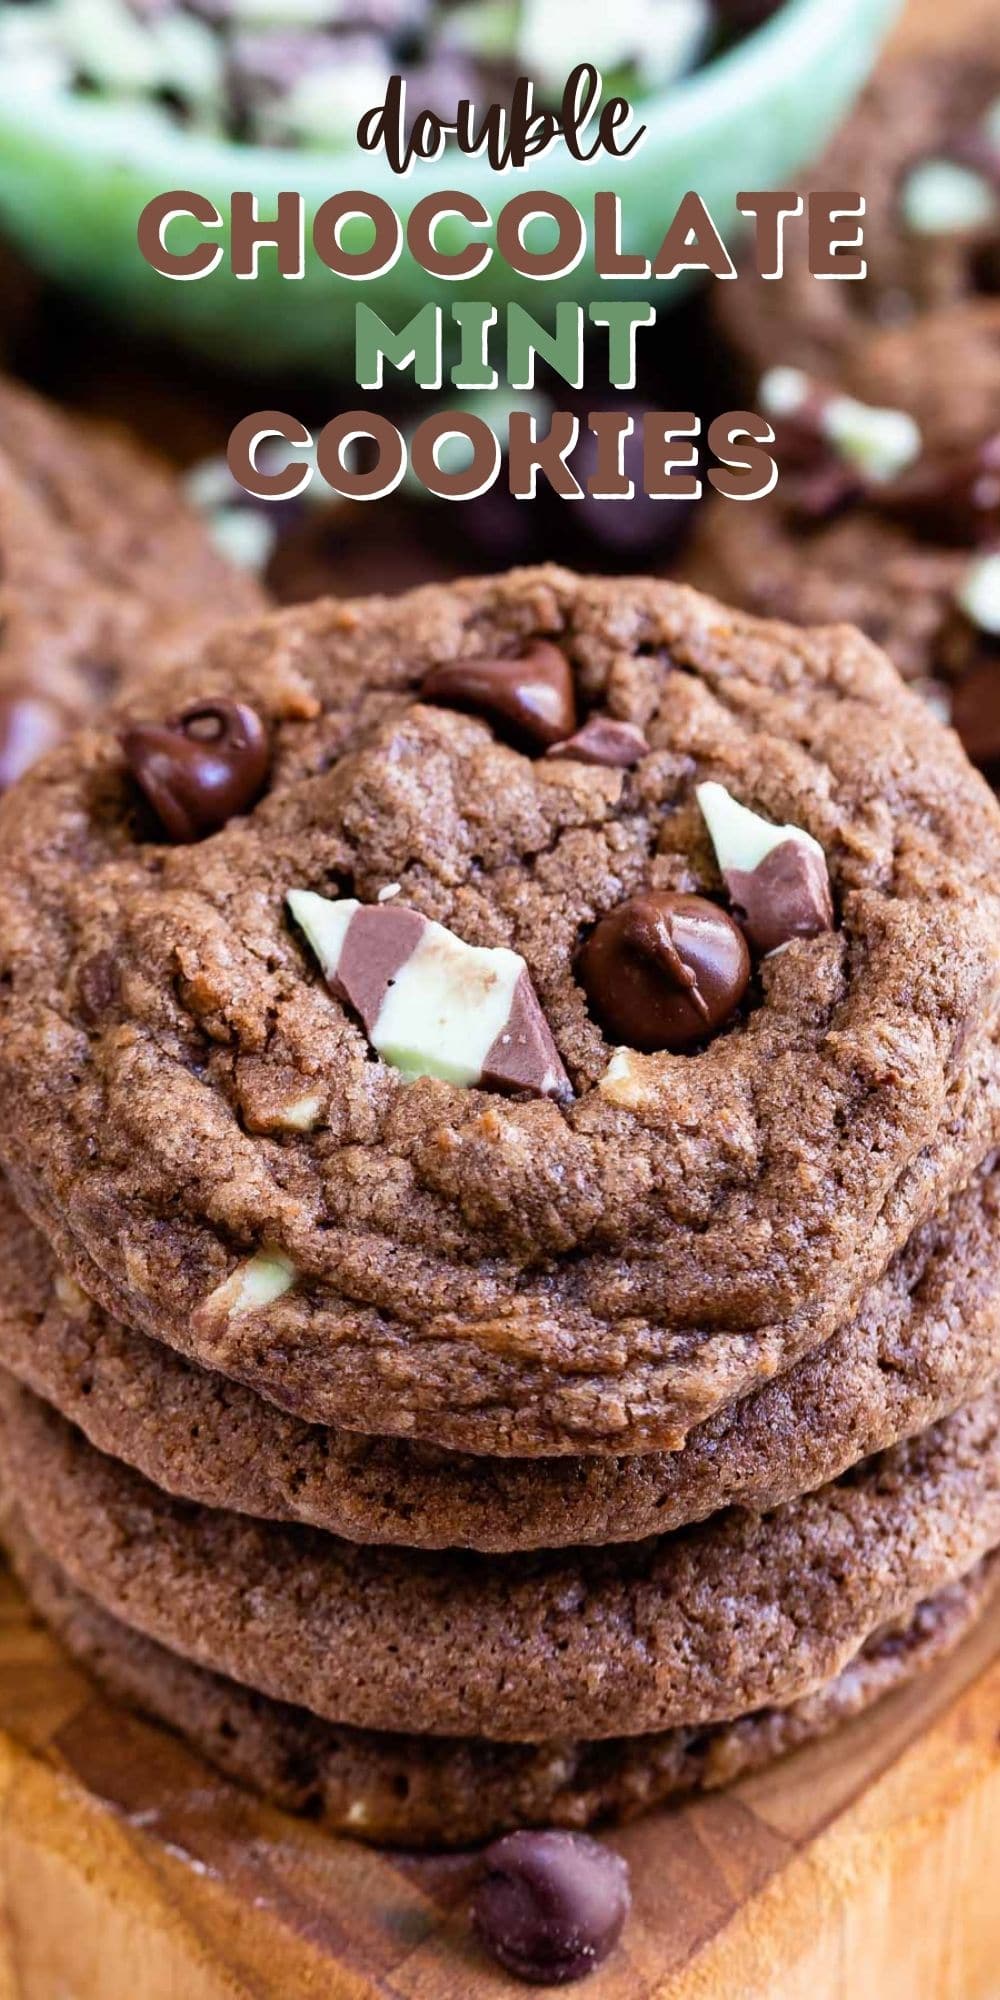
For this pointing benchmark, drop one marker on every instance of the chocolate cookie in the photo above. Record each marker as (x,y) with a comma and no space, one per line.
(918,599)
(414,1791)
(927,1338)
(909,556)
(322,1094)
(102,564)
(885,401)
(923,148)
(745,1611)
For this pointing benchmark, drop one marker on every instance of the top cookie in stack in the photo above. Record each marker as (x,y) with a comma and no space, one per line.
(603,1245)
(885,400)
(508,1073)
(103,565)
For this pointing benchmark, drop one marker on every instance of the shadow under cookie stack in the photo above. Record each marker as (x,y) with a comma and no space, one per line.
(504,1085)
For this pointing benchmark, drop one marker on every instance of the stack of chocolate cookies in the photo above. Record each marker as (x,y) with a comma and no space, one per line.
(505,1087)
(884,397)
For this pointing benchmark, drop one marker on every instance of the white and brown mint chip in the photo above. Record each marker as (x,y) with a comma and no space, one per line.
(834,451)
(776,876)
(430,1004)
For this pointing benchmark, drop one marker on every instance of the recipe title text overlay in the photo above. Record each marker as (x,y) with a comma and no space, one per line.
(454,237)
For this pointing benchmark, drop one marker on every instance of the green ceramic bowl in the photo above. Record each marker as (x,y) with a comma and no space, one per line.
(76,172)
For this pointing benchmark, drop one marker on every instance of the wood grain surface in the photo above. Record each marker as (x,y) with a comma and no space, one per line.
(865,1868)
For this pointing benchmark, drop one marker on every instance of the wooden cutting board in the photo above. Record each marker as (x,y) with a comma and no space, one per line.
(865,1868)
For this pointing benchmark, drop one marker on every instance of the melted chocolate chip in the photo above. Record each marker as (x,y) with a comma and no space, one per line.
(533,694)
(664,971)
(602,740)
(551,1906)
(29,725)
(202,768)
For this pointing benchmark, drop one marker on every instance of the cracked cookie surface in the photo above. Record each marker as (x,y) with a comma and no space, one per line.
(501,1274)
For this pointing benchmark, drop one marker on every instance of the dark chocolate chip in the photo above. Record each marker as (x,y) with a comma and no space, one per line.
(816,481)
(786,896)
(532,694)
(202,768)
(953,497)
(551,1906)
(978,149)
(29,725)
(740,15)
(664,971)
(975,713)
(97,987)
(602,740)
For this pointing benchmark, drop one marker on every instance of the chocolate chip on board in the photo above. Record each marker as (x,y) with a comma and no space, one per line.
(551,1906)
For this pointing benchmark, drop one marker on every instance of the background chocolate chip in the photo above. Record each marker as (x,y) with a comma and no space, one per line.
(743,14)
(551,1905)
(197,771)
(975,713)
(664,971)
(532,694)
(29,725)
(952,497)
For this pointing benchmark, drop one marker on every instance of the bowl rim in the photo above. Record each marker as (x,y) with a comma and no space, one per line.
(139,138)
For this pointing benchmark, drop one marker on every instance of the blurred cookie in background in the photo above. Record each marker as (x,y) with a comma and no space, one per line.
(103,565)
(923,148)
(880,523)
(319,543)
